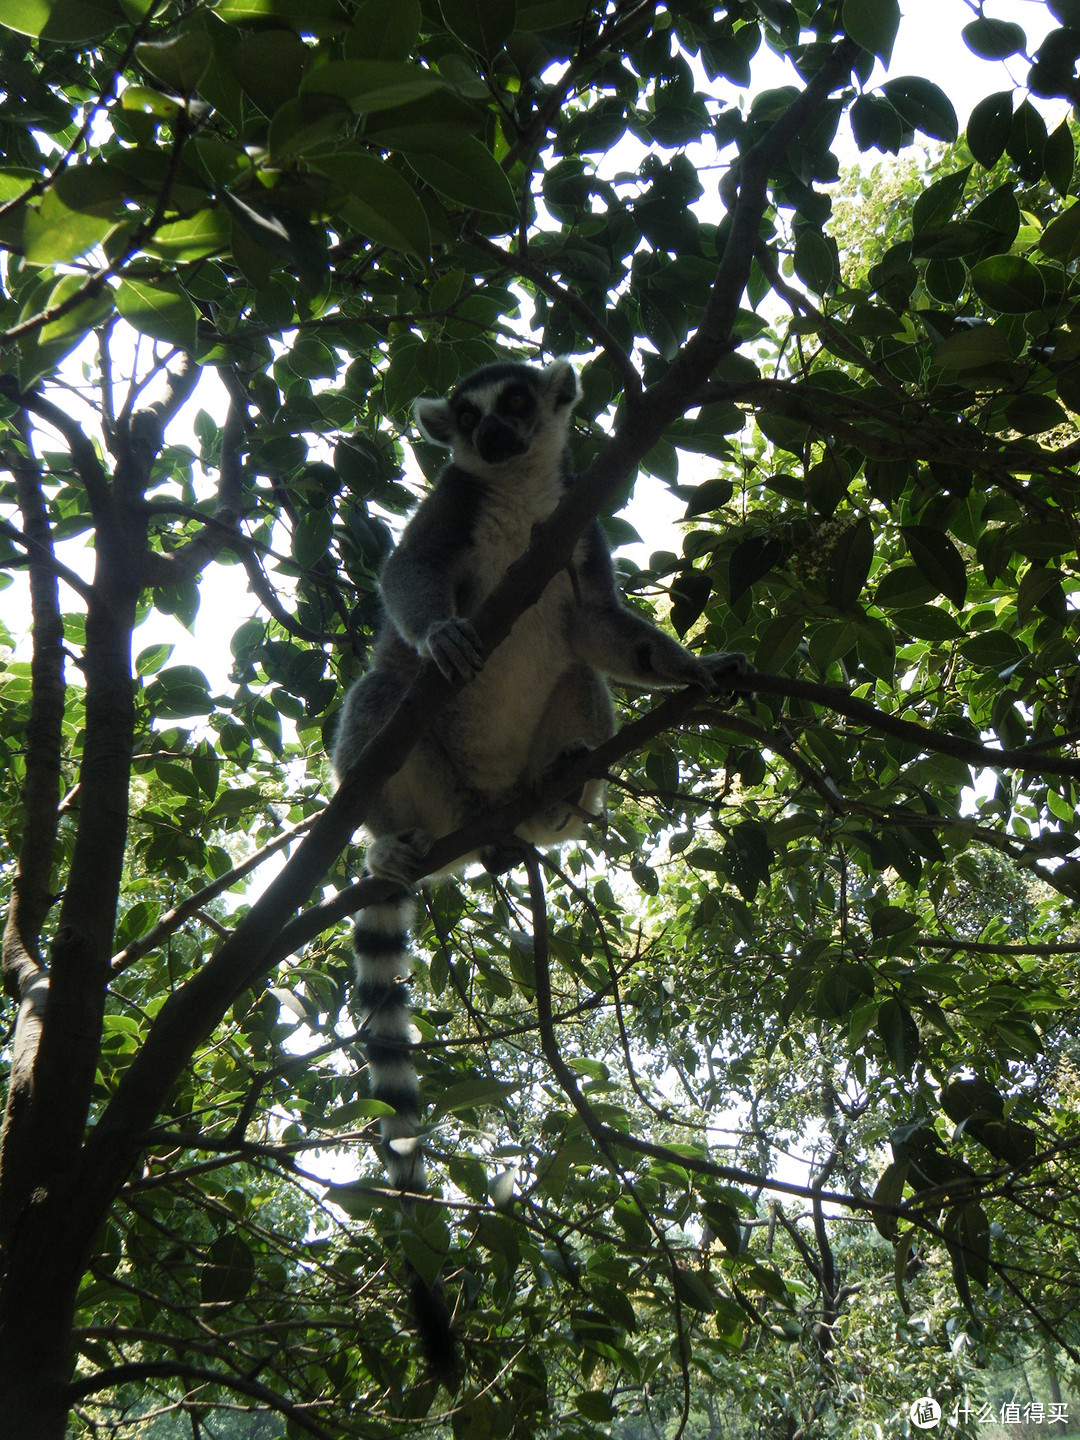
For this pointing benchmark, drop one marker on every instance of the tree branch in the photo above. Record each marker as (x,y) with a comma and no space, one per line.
(24,974)
(220,529)
(37,555)
(593,326)
(83,455)
(940,742)
(32,886)
(196,1376)
(172,920)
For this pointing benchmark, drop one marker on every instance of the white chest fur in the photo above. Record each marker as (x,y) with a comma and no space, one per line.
(496,714)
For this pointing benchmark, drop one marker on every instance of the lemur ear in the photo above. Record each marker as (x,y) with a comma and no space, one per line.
(436,420)
(561,383)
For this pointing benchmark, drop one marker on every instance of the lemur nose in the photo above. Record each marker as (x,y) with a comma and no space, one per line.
(495,440)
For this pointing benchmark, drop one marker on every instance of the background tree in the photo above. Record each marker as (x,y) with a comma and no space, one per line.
(759,1114)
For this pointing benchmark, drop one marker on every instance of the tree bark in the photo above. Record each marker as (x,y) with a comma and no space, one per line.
(43,1247)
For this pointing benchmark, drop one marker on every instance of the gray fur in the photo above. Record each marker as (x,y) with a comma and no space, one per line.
(541,694)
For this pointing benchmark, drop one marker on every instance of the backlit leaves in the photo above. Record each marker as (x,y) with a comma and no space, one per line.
(797,896)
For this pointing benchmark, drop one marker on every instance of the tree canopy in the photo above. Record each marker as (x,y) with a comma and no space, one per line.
(758,1113)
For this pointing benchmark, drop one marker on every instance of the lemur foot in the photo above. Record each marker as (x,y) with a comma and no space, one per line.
(455,647)
(570,752)
(398,857)
(562,812)
(503,855)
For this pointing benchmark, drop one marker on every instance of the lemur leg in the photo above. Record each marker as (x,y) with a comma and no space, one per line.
(578,715)
(625,646)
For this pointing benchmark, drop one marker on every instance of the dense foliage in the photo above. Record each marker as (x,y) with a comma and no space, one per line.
(759,1114)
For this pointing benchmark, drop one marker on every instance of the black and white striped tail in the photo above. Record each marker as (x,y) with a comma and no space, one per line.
(383,964)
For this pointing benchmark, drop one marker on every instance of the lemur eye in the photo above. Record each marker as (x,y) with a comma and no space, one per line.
(516,402)
(468,419)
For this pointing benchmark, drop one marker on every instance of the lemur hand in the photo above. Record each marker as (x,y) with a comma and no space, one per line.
(455,647)
(721,668)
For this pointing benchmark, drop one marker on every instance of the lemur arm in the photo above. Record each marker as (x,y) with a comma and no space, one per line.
(419,584)
(624,646)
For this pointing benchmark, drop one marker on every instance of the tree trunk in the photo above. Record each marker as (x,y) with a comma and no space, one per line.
(49,1219)
(37,1302)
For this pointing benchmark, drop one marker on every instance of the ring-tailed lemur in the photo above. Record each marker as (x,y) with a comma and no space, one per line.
(541,694)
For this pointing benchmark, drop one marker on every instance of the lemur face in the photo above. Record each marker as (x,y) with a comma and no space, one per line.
(502,412)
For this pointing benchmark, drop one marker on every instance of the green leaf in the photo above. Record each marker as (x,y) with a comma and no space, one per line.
(815,262)
(550,14)
(899,1034)
(54,234)
(969,1247)
(306,16)
(311,538)
(1027,141)
(383,32)
(477,1419)
(160,310)
(890,1191)
(230,1271)
(1009,283)
(179,62)
(270,66)
(708,497)
(483,28)
(1059,158)
(937,204)
(41,351)
(873,23)
(178,778)
(468,174)
(472,1094)
(202,234)
(436,122)
(993,39)
(927,622)
(596,1405)
(924,106)
(150,660)
(63,21)
(950,241)
(779,642)
(141,100)
(307,124)
(1061,238)
(877,648)
(1041,539)
(850,566)
(371,85)
(265,229)
(891,920)
(378,200)
(938,561)
(963,1098)
(989,128)
(973,349)
(992,650)
(902,587)
(1034,414)
(751,559)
